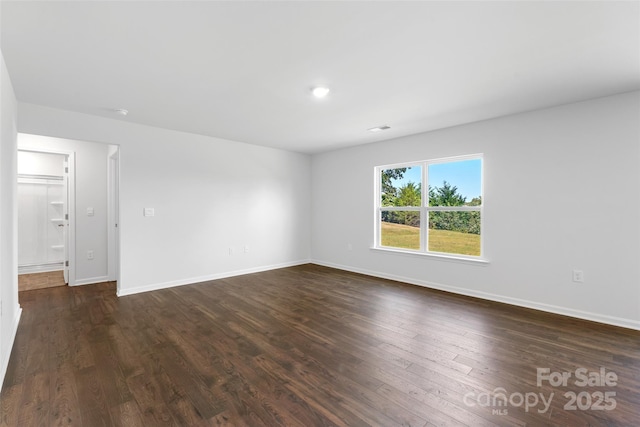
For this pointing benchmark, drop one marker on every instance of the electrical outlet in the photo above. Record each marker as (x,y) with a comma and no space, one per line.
(230,251)
(246,249)
(89,254)
(349,247)
(578,276)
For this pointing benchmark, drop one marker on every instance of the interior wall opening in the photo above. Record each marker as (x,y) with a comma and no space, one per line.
(43,219)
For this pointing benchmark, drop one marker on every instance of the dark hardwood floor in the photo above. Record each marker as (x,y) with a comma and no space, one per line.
(310,346)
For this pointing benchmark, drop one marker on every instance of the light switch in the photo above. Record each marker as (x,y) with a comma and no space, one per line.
(149,212)
(89,211)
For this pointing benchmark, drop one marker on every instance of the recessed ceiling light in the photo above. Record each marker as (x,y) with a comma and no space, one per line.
(320,92)
(379,128)
(121,111)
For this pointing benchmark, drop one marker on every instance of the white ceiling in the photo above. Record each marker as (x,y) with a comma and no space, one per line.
(243,70)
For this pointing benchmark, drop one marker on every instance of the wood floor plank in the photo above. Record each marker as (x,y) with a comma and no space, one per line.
(65,405)
(110,375)
(186,376)
(148,395)
(35,407)
(304,346)
(320,394)
(16,370)
(345,382)
(94,409)
(127,414)
(177,400)
(10,404)
(29,282)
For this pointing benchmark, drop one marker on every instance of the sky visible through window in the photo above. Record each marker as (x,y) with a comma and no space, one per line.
(464,174)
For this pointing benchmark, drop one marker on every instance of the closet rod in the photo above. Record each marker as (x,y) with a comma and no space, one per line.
(52,177)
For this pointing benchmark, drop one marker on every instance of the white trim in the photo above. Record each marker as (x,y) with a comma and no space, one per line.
(401,209)
(41,268)
(430,208)
(9,343)
(564,311)
(113,213)
(453,208)
(449,159)
(193,280)
(90,281)
(438,255)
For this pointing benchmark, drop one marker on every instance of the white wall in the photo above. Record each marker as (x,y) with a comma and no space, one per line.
(33,163)
(90,192)
(9,308)
(209,194)
(562,191)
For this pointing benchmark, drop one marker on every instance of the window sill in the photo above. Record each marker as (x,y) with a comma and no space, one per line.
(438,256)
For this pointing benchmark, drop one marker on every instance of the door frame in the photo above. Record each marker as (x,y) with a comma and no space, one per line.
(113,215)
(70,244)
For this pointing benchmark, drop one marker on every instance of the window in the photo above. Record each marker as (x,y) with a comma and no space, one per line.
(432,207)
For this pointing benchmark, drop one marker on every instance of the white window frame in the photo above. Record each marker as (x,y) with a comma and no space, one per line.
(424,209)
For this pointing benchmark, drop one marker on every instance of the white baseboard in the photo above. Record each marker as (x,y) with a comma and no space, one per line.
(9,347)
(90,281)
(40,269)
(594,317)
(193,280)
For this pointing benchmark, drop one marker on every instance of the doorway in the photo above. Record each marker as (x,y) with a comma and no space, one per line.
(113,218)
(44,224)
